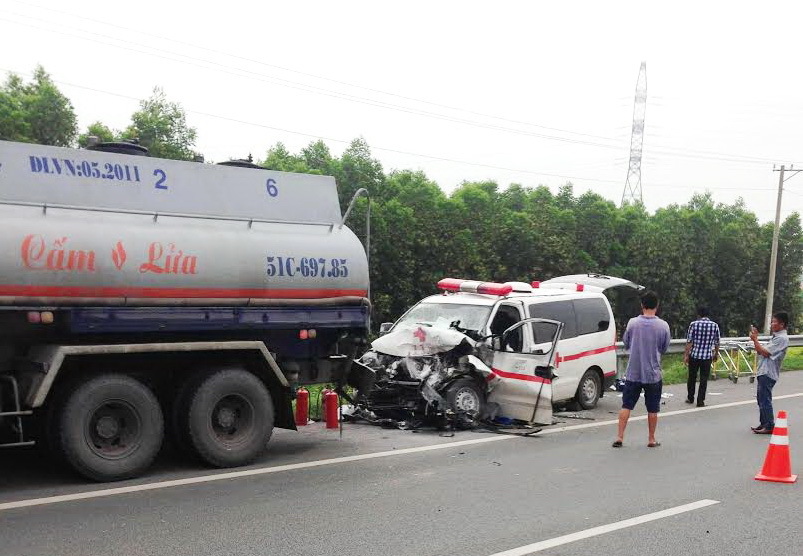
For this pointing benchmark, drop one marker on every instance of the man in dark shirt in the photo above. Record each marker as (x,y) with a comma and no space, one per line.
(702,347)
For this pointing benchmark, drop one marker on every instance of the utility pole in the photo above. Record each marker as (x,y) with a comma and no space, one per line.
(774,253)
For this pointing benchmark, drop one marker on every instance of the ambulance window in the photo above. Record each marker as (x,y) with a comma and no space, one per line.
(562,311)
(506,317)
(592,316)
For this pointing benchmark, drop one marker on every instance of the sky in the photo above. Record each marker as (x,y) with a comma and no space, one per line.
(528,92)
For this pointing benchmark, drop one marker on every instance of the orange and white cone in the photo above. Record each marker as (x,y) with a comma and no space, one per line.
(778,464)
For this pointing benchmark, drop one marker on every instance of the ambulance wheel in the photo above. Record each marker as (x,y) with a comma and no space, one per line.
(110,427)
(589,390)
(464,396)
(228,418)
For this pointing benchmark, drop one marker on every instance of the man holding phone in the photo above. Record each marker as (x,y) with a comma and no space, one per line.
(770,358)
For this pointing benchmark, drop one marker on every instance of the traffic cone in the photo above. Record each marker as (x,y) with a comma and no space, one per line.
(778,464)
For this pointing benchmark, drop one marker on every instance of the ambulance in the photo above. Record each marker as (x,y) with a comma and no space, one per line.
(515,318)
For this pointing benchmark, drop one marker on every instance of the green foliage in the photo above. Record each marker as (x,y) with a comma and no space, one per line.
(700,253)
(161,126)
(99,130)
(36,112)
(675,372)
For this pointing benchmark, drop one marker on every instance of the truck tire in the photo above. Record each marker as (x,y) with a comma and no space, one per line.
(177,434)
(229,418)
(110,427)
(589,390)
(464,397)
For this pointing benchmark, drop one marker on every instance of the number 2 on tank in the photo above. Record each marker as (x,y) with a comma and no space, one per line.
(160,183)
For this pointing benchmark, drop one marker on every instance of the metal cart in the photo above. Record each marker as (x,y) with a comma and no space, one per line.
(736,359)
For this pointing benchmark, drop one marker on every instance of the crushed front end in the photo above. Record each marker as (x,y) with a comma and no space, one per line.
(423,376)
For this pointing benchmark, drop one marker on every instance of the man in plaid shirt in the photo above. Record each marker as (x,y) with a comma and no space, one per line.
(702,347)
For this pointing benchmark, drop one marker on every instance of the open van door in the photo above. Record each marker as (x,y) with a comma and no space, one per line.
(522,377)
(622,294)
(590,282)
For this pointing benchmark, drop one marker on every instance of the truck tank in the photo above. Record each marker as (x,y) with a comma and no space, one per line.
(85,227)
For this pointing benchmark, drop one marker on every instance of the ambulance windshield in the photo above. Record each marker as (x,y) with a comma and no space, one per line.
(471,317)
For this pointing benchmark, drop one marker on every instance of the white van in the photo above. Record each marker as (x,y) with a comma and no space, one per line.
(585,358)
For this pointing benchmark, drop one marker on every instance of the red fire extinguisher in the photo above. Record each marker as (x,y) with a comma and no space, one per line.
(322,402)
(302,407)
(330,407)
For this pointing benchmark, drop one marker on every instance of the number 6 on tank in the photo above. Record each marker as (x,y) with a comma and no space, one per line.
(273,190)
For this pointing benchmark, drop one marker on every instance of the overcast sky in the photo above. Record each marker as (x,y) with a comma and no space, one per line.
(525,92)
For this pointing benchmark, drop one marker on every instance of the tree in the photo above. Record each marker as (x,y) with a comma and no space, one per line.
(279,158)
(318,158)
(99,130)
(359,170)
(36,112)
(790,266)
(161,126)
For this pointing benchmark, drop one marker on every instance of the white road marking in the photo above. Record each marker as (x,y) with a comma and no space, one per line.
(101,493)
(603,529)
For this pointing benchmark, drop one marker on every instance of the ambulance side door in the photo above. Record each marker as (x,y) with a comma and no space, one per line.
(522,383)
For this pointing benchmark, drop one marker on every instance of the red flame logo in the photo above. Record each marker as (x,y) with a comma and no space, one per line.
(118,255)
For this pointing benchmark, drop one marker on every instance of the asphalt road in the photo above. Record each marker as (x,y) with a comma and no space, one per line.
(391,492)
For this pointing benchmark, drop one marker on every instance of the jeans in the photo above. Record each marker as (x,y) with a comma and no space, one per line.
(764,397)
(704,367)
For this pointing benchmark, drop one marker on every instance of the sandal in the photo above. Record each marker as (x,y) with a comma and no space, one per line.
(653,444)
(617,444)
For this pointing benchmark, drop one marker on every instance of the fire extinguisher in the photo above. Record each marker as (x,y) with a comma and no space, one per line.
(322,402)
(331,405)
(302,407)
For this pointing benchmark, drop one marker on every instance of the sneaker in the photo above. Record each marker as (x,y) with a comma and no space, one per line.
(689,400)
(700,404)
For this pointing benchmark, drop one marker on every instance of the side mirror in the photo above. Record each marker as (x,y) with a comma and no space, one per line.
(385,327)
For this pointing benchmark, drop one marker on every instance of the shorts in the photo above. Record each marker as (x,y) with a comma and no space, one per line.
(652,395)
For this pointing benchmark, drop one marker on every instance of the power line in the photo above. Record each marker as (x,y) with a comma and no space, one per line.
(248,74)
(243,73)
(706,187)
(323,78)
(386,149)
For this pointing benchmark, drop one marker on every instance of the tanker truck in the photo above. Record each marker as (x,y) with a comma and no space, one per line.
(146,301)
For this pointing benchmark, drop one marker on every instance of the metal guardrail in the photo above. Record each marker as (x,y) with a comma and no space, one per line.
(679,345)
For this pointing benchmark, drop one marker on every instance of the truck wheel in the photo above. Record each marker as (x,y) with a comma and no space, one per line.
(110,428)
(589,390)
(229,418)
(463,396)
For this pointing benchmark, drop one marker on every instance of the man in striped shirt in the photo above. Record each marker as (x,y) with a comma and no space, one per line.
(702,347)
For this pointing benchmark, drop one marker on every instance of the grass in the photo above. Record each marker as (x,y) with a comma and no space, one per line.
(675,372)
(316,399)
